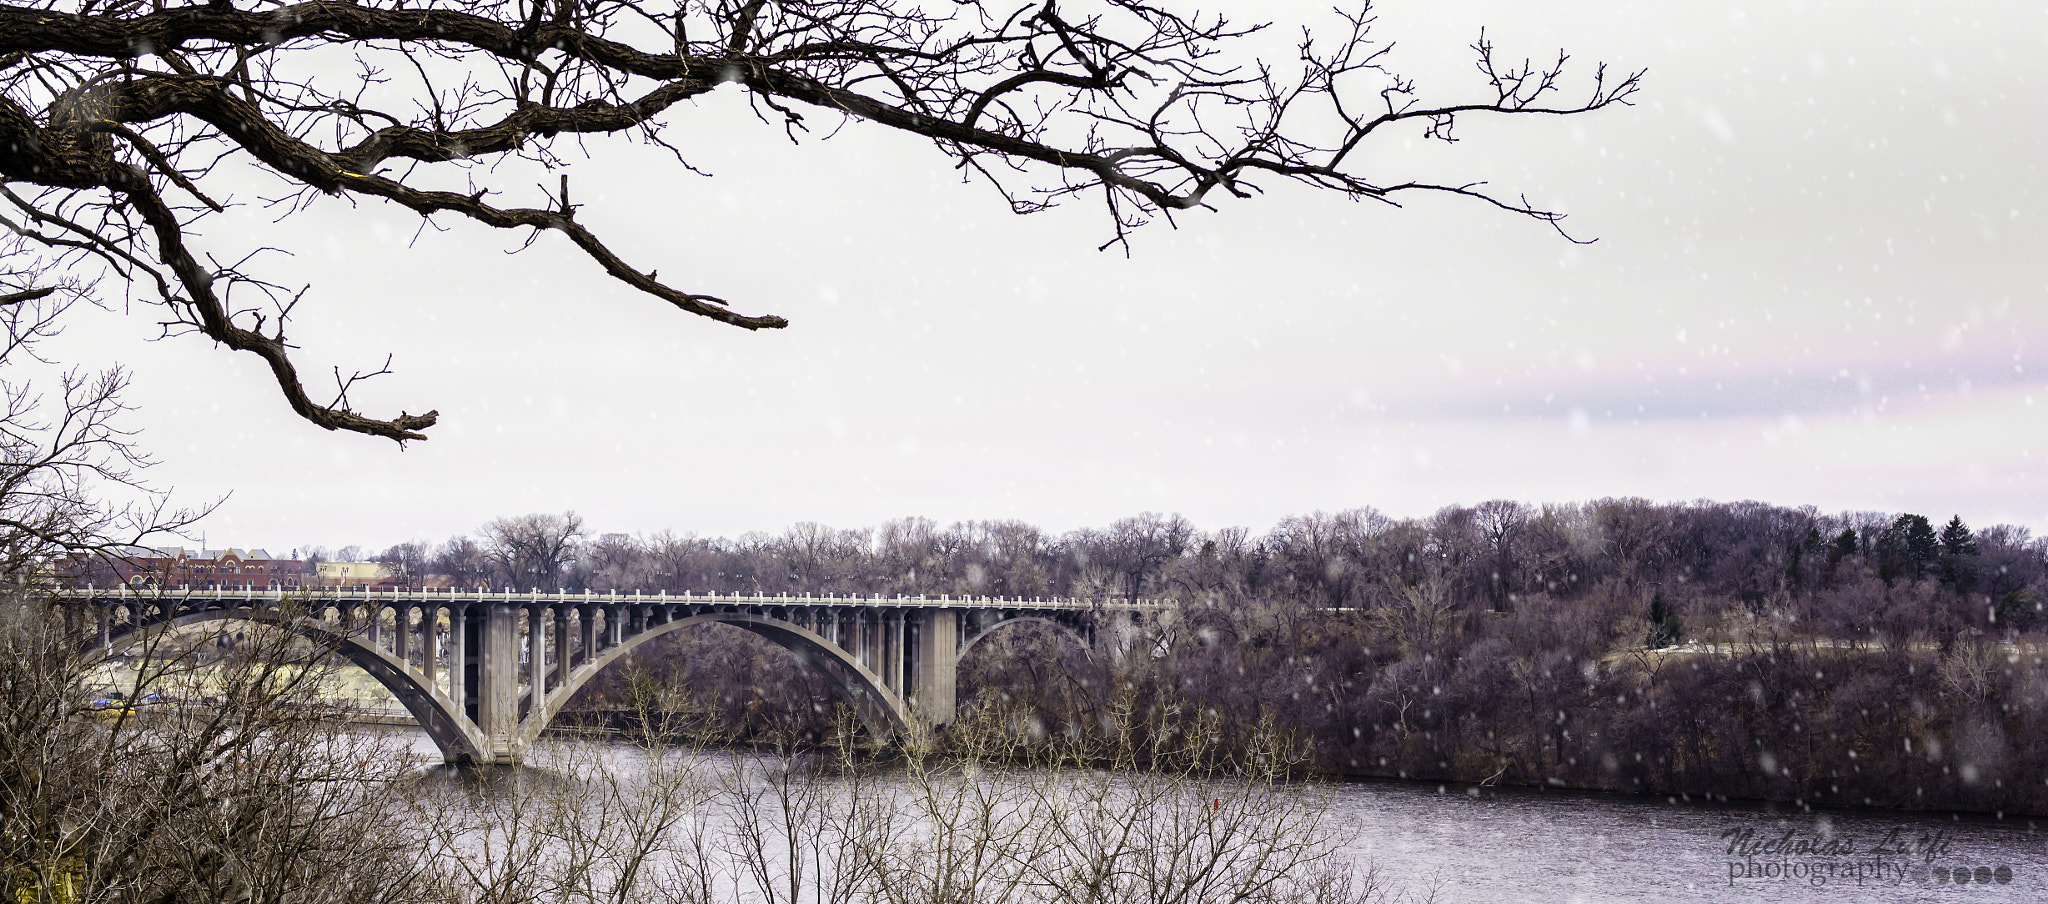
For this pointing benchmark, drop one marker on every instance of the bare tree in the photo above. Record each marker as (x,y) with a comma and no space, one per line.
(680,563)
(532,550)
(817,558)
(1501,522)
(1138,548)
(71,485)
(259,796)
(463,561)
(114,118)
(614,561)
(405,563)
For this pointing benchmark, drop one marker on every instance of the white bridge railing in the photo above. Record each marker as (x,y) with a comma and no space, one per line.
(449,594)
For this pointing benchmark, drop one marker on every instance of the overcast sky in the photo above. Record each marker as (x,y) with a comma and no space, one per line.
(1819,280)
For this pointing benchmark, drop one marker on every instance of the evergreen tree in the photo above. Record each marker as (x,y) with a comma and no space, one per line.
(1841,547)
(1958,546)
(1665,627)
(2018,609)
(1907,548)
(1956,539)
(1795,558)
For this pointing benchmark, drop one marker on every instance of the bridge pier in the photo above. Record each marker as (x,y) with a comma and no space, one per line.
(497,693)
(935,657)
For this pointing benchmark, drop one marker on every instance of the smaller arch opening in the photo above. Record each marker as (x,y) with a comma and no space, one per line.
(1037,668)
(724,680)
(731,676)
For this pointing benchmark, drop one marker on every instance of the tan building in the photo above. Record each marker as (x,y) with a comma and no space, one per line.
(347,574)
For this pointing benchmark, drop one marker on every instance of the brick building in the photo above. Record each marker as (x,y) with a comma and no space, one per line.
(198,569)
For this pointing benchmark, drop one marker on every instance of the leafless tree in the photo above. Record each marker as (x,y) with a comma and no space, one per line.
(116,118)
(1138,548)
(531,551)
(908,550)
(71,485)
(680,563)
(818,558)
(257,794)
(463,561)
(405,562)
(613,561)
(1138,808)
(1501,522)
(581,823)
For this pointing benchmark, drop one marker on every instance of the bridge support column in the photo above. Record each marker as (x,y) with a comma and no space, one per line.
(537,653)
(586,627)
(933,665)
(497,696)
(401,634)
(860,639)
(561,661)
(430,644)
(462,645)
(892,651)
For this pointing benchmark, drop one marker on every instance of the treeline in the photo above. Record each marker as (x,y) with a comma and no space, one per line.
(1706,649)
(1487,557)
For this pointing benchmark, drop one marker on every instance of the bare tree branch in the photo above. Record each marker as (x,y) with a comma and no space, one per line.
(1146,105)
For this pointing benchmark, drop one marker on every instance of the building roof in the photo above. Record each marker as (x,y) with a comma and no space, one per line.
(186,552)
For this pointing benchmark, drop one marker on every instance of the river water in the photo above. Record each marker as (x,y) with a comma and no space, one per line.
(1456,845)
(1516,845)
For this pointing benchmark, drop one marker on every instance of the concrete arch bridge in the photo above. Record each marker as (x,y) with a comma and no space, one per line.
(485,690)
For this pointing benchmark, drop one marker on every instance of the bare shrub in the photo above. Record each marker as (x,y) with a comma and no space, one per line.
(256,795)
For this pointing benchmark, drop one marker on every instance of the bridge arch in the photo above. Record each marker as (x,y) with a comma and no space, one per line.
(884,712)
(985,631)
(437,714)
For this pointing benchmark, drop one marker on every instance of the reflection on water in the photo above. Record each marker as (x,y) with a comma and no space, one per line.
(1493,845)
(487,781)
(1517,845)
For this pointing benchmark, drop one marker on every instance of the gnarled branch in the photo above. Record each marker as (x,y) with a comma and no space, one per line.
(1141,103)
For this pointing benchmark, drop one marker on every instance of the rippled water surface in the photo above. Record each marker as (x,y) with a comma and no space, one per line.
(1529,846)
(1512,845)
